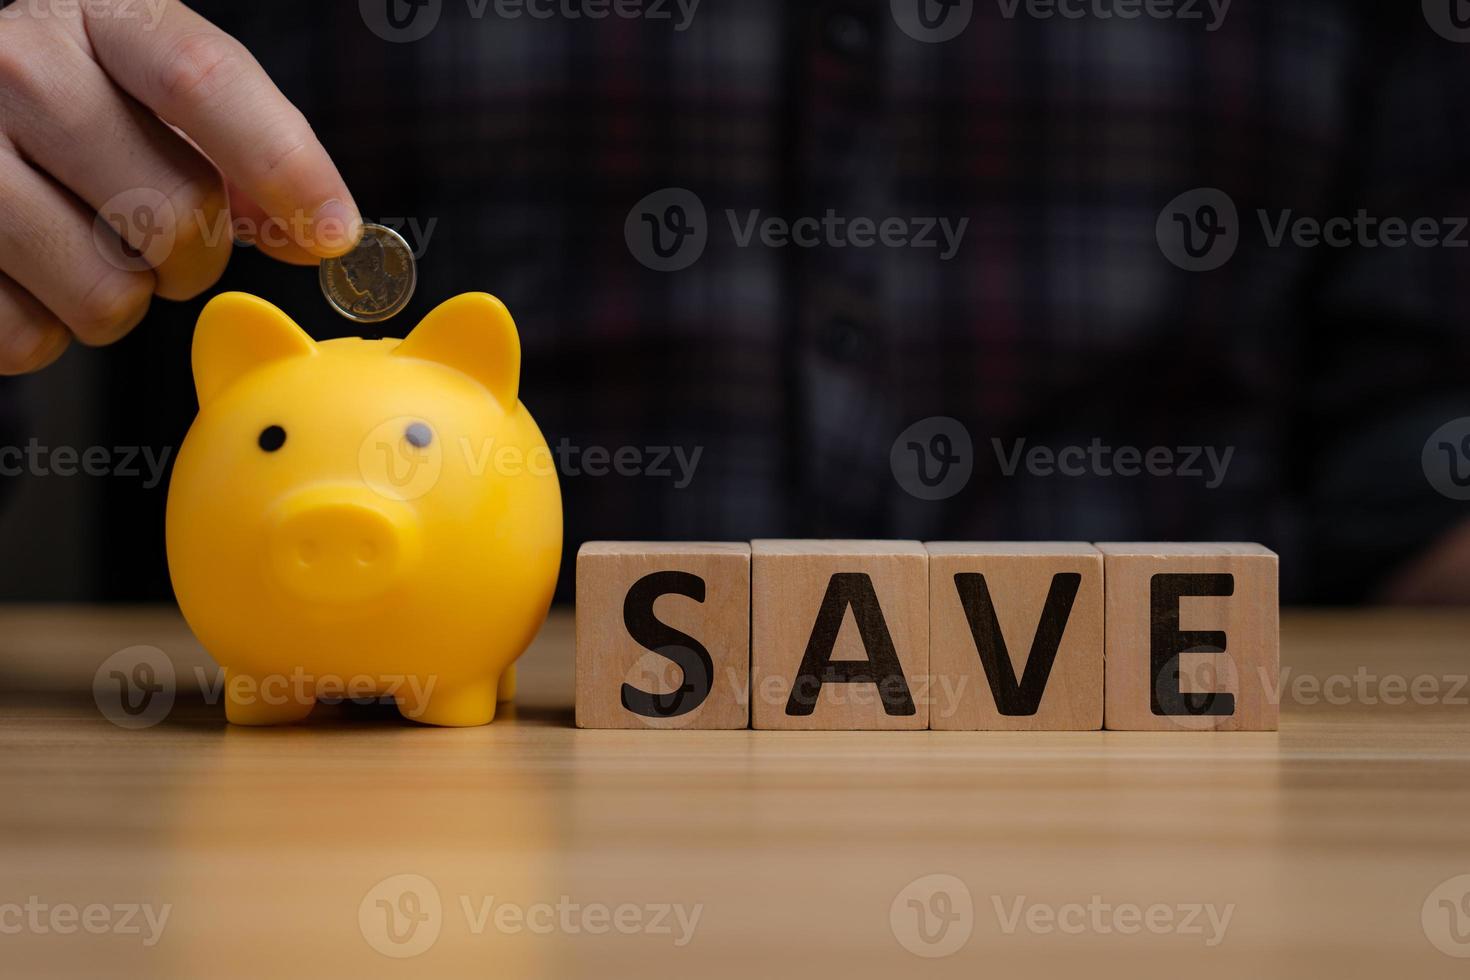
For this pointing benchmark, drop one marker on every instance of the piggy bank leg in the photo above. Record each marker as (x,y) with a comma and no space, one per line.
(506,691)
(249,701)
(450,703)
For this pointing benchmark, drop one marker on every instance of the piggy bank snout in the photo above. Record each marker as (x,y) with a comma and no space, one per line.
(339,545)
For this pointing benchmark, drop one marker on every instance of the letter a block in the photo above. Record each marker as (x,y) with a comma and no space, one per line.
(1016,636)
(1193,642)
(839,634)
(663,635)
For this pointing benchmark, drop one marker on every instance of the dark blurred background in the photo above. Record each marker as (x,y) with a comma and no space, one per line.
(512,149)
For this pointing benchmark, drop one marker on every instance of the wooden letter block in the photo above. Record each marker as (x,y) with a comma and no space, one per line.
(1193,642)
(839,634)
(663,635)
(1016,636)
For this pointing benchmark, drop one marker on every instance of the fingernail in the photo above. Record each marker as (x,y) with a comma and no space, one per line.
(336,228)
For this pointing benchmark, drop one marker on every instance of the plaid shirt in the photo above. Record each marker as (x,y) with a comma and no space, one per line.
(1059,321)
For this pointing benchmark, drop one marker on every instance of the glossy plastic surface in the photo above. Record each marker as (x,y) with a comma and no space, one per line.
(403,538)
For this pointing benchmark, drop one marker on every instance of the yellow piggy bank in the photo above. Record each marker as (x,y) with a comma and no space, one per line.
(359,518)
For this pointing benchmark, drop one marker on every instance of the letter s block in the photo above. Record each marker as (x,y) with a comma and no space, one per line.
(839,635)
(1193,637)
(663,635)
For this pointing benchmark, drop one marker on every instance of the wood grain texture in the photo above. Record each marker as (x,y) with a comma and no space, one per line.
(609,656)
(1230,691)
(1010,585)
(807,599)
(1326,838)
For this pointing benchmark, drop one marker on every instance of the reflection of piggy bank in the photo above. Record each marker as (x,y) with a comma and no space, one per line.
(361,518)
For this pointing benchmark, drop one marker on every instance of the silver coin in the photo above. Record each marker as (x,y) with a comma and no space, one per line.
(375,280)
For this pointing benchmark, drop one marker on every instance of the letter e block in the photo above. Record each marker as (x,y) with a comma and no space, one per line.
(1193,641)
(1016,638)
(839,635)
(663,635)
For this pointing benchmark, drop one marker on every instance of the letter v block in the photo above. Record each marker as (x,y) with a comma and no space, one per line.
(1193,637)
(663,635)
(839,634)
(1016,636)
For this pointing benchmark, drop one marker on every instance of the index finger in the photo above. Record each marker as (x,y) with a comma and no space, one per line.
(198,78)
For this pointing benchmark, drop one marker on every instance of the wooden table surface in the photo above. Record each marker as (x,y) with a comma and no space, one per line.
(1332,846)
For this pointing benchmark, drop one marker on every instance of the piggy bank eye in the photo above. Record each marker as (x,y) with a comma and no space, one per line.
(419,435)
(272,437)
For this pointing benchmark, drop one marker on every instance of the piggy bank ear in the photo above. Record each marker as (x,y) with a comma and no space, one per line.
(238,333)
(472,333)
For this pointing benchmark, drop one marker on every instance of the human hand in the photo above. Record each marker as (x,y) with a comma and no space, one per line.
(93,102)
